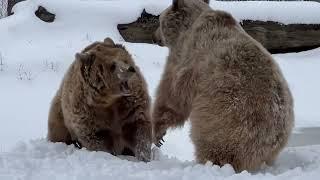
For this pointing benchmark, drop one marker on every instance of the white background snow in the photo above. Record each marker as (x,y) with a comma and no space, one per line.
(34,56)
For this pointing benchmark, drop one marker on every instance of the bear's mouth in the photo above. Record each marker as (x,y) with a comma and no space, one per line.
(124,88)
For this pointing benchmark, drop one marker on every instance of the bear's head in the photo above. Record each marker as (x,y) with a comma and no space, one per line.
(178,18)
(105,69)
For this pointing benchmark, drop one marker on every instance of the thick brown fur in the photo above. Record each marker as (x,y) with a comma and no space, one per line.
(238,102)
(103,103)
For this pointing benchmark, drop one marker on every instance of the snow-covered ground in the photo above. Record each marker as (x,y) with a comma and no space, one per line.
(34,56)
(39,160)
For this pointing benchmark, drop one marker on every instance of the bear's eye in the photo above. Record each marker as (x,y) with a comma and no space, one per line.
(113,67)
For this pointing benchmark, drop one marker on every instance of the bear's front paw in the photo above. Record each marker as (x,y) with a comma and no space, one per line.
(159,131)
(143,152)
(158,137)
(159,143)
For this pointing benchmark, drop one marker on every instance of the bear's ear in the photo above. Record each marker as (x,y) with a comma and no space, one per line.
(206,1)
(86,58)
(86,61)
(109,41)
(177,4)
(226,19)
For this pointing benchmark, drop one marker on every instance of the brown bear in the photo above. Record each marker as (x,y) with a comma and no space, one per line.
(238,102)
(103,103)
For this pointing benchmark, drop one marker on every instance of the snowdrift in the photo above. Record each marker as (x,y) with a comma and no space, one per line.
(40,160)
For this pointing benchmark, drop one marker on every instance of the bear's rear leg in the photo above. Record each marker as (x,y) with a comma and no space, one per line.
(57,131)
(221,155)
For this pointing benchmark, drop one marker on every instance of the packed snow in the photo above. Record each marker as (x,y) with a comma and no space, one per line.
(285,12)
(38,160)
(34,56)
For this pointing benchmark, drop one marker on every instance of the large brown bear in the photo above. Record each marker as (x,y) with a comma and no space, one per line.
(239,103)
(103,103)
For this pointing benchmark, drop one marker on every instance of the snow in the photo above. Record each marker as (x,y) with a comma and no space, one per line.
(35,55)
(285,12)
(38,160)
(302,73)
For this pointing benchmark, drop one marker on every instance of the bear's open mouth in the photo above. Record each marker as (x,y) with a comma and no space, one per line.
(124,88)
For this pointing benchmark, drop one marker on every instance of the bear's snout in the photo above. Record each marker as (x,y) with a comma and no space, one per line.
(125,72)
(131,69)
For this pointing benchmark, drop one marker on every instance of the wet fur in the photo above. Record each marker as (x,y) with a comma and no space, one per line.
(89,107)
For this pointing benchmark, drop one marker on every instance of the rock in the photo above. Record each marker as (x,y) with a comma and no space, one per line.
(276,37)
(44,15)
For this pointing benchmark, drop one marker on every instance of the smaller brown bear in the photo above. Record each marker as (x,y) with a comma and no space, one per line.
(103,103)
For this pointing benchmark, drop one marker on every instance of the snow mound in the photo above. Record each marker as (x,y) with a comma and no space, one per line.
(286,12)
(124,11)
(38,160)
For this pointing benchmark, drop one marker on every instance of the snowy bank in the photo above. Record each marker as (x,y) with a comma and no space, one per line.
(286,12)
(40,160)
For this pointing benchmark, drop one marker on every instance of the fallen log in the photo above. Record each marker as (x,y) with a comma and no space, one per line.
(275,36)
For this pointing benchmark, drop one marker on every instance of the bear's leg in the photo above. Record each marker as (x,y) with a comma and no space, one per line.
(172,106)
(137,136)
(164,118)
(270,162)
(98,140)
(57,131)
(220,155)
(127,152)
(248,157)
(144,139)
(276,151)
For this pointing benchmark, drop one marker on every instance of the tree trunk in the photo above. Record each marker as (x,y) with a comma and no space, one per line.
(274,36)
